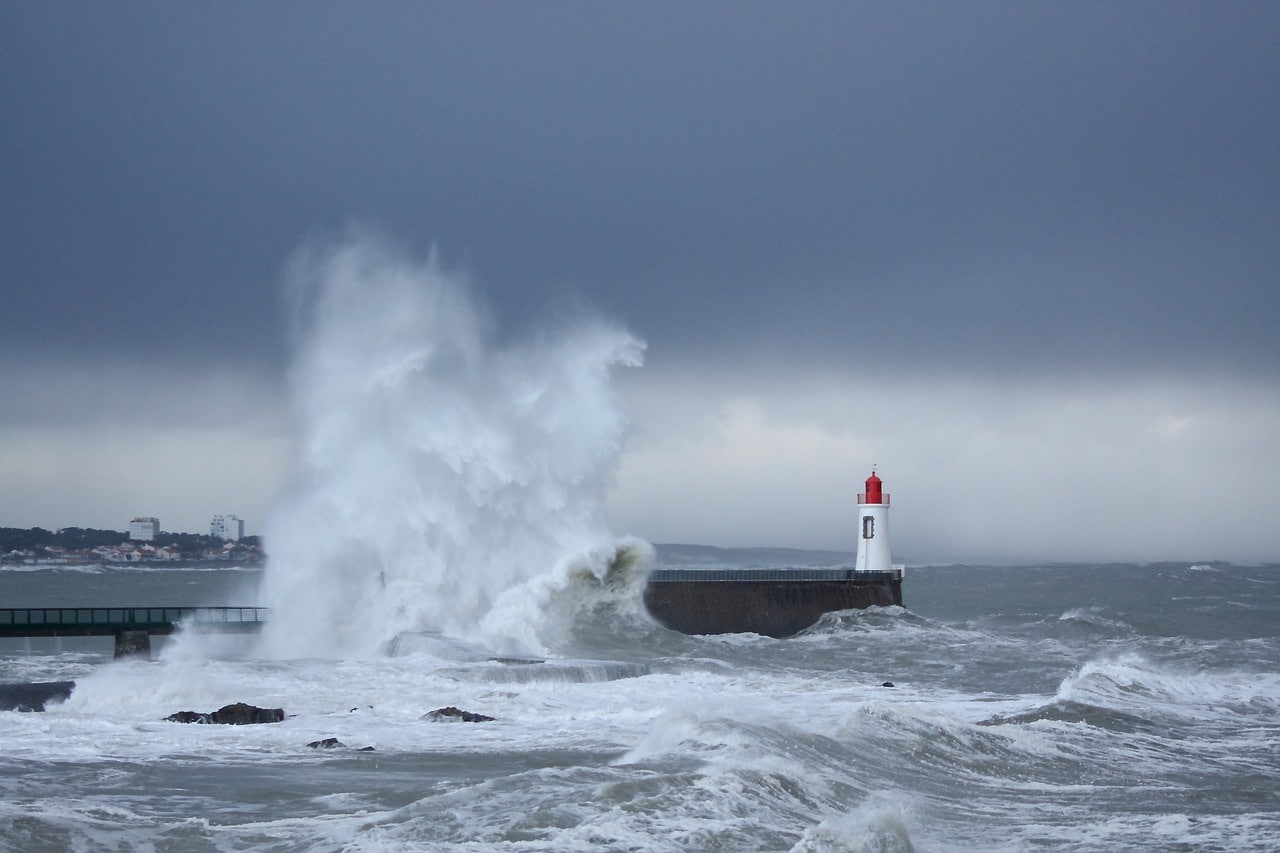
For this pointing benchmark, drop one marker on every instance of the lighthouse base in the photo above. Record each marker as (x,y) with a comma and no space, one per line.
(774,603)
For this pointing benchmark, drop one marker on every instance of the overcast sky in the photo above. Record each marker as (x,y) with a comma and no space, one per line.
(1022,256)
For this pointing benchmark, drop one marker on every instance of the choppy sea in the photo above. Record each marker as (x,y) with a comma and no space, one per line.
(1062,707)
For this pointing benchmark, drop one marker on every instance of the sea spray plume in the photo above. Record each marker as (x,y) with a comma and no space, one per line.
(435,469)
(543,610)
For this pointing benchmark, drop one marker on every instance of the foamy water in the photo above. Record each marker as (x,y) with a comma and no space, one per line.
(1008,728)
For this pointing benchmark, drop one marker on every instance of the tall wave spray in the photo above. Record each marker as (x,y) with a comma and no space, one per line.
(443,483)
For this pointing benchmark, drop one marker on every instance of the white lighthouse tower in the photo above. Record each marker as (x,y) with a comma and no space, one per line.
(873,528)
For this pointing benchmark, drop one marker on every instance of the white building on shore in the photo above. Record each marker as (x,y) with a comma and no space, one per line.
(144,529)
(227,527)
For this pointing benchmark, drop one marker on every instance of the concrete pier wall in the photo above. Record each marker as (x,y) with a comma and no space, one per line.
(772,607)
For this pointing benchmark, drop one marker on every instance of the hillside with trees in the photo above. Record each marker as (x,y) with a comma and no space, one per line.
(81,545)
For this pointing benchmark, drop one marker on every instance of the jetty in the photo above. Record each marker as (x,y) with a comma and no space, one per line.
(770,602)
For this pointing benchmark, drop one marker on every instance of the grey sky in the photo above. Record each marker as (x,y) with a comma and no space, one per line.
(1006,196)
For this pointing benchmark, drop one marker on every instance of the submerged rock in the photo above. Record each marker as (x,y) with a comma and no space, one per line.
(334,743)
(239,714)
(454,715)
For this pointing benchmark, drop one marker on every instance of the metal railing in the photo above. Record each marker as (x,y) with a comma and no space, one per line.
(739,575)
(48,621)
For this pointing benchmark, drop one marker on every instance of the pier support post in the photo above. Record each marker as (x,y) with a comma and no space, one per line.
(133,644)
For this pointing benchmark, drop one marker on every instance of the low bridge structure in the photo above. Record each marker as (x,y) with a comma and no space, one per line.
(132,627)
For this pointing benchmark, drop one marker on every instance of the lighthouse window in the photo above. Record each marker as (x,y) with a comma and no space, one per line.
(868,526)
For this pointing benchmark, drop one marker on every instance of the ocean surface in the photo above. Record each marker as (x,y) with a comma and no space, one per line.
(1059,707)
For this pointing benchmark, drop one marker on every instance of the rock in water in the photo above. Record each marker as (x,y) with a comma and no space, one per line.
(239,714)
(187,717)
(454,715)
(33,696)
(327,743)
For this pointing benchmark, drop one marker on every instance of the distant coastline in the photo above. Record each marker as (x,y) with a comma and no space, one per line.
(691,555)
(54,563)
(75,546)
(81,546)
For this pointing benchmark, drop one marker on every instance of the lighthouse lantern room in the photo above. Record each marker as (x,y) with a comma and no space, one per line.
(873,528)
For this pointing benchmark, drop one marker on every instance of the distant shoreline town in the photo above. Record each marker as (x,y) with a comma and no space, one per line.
(144,542)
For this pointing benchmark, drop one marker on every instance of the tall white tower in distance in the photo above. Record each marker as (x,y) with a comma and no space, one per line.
(873,528)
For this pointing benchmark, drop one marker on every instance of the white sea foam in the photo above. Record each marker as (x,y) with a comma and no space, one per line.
(445,482)
(726,743)
(749,755)
(881,824)
(1128,681)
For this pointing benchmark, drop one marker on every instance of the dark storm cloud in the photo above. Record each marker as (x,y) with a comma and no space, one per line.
(966,185)
(1032,246)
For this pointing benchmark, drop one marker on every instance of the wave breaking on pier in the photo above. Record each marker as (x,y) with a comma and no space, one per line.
(444,481)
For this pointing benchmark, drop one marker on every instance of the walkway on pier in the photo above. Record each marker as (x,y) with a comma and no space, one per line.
(131,626)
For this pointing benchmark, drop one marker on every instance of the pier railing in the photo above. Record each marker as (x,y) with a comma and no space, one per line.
(108,621)
(739,575)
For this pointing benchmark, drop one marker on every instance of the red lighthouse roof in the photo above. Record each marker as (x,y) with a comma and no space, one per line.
(873,494)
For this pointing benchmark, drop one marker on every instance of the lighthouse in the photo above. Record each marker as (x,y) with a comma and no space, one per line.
(779,603)
(873,528)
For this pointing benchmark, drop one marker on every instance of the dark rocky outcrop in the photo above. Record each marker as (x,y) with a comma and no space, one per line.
(334,743)
(239,714)
(455,715)
(33,696)
(188,717)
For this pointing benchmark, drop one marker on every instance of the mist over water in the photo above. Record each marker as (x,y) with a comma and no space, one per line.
(445,481)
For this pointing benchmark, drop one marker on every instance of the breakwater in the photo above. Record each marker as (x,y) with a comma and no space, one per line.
(771,602)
